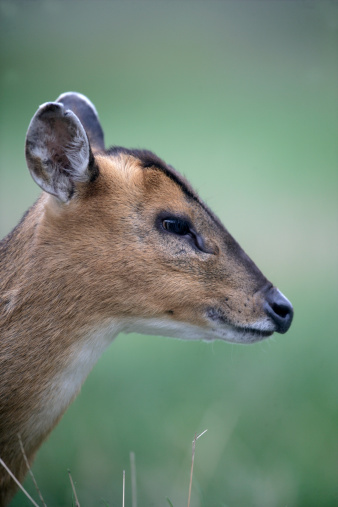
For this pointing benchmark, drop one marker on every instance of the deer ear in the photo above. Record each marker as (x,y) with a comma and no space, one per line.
(58,153)
(87,114)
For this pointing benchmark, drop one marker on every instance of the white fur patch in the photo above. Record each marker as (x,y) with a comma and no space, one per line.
(65,385)
(165,327)
(86,351)
(226,332)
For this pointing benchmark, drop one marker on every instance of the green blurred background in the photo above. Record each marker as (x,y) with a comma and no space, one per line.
(241,97)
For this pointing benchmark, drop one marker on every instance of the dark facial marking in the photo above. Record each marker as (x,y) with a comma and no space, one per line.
(149,159)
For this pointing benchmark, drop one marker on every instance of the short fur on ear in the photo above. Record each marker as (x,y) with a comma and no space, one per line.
(87,114)
(58,153)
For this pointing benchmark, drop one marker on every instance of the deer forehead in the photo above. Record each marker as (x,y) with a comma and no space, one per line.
(126,185)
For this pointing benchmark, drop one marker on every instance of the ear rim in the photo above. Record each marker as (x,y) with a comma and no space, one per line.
(79,95)
(49,174)
(86,112)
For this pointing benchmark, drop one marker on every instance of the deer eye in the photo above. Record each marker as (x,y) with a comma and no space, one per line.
(176,226)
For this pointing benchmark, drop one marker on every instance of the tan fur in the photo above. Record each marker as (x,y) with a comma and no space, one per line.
(74,274)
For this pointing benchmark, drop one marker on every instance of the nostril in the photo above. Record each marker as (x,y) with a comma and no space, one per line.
(279,309)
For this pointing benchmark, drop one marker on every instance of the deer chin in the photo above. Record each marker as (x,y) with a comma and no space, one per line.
(242,335)
(211,331)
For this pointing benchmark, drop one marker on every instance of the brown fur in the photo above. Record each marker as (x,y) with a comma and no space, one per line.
(69,268)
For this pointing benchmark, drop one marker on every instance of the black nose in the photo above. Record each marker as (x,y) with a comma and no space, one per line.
(279,309)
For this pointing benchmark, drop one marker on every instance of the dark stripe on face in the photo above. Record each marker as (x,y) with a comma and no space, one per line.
(149,159)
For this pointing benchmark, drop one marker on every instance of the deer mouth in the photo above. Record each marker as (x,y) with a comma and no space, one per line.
(228,331)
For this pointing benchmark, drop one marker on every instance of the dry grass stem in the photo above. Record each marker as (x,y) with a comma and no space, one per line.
(123,487)
(18,483)
(192,462)
(77,503)
(133,480)
(30,471)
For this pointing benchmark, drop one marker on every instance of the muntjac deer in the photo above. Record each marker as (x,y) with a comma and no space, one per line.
(118,241)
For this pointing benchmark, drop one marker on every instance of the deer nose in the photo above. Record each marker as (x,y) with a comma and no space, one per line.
(279,309)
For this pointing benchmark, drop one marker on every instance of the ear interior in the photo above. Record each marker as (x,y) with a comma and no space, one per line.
(58,153)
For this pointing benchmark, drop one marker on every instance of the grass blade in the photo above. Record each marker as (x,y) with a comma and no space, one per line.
(133,480)
(18,483)
(30,471)
(77,503)
(123,487)
(192,462)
